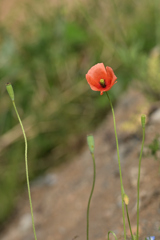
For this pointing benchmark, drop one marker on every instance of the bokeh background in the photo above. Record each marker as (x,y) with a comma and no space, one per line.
(46,48)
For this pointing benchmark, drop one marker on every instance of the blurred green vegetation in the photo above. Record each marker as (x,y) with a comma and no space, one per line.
(154,147)
(46,56)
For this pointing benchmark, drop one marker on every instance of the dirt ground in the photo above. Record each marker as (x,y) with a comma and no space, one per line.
(60,197)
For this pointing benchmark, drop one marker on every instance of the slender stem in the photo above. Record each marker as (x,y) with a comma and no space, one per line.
(138,182)
(26,164)
(113,234)
(119,163)
(129,222)
(94,178)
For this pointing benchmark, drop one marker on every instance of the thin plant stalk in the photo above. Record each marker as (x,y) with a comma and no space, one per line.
(93,184)
(119,163)
(113,235)
(129,222)
(26,165)
(138,182)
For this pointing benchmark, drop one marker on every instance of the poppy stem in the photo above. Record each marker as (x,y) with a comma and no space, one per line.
(26,165)
(93,184)
(119,163)
(138,181)
(11,94)
(129,222)
(113,234)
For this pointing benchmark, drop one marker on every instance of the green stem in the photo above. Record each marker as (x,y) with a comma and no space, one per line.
(119,163)
(113,234)
(26,164)
(129,222)
(138,182)
(88,207)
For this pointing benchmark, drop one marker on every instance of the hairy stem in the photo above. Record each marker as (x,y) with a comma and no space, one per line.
(26,165)
(93,184)
(119,164)
(138,182)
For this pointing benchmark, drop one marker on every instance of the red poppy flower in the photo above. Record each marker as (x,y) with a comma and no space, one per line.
(100,78)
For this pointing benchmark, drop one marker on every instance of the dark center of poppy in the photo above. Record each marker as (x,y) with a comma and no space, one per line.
(102,83)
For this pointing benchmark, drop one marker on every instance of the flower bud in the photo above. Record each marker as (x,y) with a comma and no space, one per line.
(90,141)
(126,199)
(143,120)
(10,91)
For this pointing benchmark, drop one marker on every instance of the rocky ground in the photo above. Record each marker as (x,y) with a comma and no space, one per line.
(60,197)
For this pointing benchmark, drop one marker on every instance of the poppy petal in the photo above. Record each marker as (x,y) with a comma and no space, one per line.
(110,75)
(93,84)
(98,72)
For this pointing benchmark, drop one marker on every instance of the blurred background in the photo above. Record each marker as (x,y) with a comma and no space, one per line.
(46,48)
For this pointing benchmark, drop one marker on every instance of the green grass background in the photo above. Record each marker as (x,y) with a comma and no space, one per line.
(45,51)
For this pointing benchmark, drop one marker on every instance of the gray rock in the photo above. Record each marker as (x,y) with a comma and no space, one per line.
(155,116)
(47,180)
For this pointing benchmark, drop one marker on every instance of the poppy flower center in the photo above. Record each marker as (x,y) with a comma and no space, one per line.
(102,83)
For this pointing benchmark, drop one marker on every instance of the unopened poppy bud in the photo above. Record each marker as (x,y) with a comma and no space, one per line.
(143,120)
(126,199)
(10,91)
(90,141)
